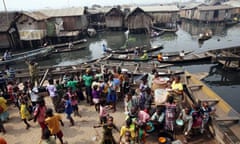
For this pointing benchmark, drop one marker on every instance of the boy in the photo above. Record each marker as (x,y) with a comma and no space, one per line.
(52,122)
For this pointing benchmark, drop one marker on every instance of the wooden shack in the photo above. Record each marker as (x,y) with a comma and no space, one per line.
(163,14)
(66,24)
(188,10)
(96,17)
(216,13)
(235,4)
(138,21)
(114,19)
(32,28)
(8,32)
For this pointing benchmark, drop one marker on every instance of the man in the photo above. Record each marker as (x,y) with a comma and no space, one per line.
(33,71)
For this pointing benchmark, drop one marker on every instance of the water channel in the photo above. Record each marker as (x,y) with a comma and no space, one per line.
(226,84)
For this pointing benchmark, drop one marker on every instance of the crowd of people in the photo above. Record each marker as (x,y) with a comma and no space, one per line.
(103,89)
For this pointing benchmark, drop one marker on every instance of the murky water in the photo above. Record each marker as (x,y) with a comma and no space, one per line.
(227,85)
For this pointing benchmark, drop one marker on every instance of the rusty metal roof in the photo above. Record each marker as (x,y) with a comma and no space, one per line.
(74,11)
(6,19)
(35,15)
(160,8)
(217,7)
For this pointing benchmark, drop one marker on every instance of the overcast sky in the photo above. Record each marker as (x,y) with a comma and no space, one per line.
(41,4)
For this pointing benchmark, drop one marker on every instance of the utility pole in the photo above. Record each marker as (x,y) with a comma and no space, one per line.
(5,8)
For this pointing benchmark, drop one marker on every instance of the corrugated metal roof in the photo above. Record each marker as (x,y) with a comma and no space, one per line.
(233,3)
(217,7)
(158,8)
(191,5)
(35,15)
(6,19)
(75,11)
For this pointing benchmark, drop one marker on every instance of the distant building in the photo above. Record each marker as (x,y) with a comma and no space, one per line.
(204,13)
(96,17)
(187,10)
(32,28)
(163,14)
(8,32)
(114,19)
(235,4)
(68,23)
(138,21)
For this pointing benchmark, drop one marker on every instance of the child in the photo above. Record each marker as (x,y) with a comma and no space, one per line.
(52,122)
(96,97)
(47,138)
(107,131)
(141,134)
(25,114)
(128,103)
(103,112)
(68,109)
(74,102)
(39,113)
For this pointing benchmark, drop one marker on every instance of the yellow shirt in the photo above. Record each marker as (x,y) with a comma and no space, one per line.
(145,56)
(53,123)
(24,112)
(177,86)
(124,129)
(3,102)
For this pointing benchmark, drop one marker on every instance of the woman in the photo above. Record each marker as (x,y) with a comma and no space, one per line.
(170,114)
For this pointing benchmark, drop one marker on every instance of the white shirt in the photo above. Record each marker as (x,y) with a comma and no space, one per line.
(52,90)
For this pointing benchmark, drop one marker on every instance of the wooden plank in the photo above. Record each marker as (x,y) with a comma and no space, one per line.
(195,86)
(44,77)
(233,118)
(208,100)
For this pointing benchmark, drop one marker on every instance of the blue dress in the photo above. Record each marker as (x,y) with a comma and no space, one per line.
(68,108)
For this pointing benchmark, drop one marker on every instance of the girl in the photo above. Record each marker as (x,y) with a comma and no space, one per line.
(103,112)
(96,97)
(170,114)
(74,102)
(25,114)
(39,113)
(68,109)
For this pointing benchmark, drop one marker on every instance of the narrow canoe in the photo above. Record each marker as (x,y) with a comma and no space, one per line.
(64,50)
(226,120)
(131,50)
(189,58)
(29,55)
(128,57)
(67,43)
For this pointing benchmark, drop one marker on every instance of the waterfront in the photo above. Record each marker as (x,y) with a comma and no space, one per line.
(223,83)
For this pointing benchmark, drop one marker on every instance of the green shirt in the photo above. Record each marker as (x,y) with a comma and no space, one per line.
(87,80)
(72,84)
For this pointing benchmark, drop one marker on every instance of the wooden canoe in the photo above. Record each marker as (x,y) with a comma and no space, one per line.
(156,34)
(64,50)
(67,43)
(189,58)
(29,55)
(131,50)
(226,120)
(174,29)
(128,57)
